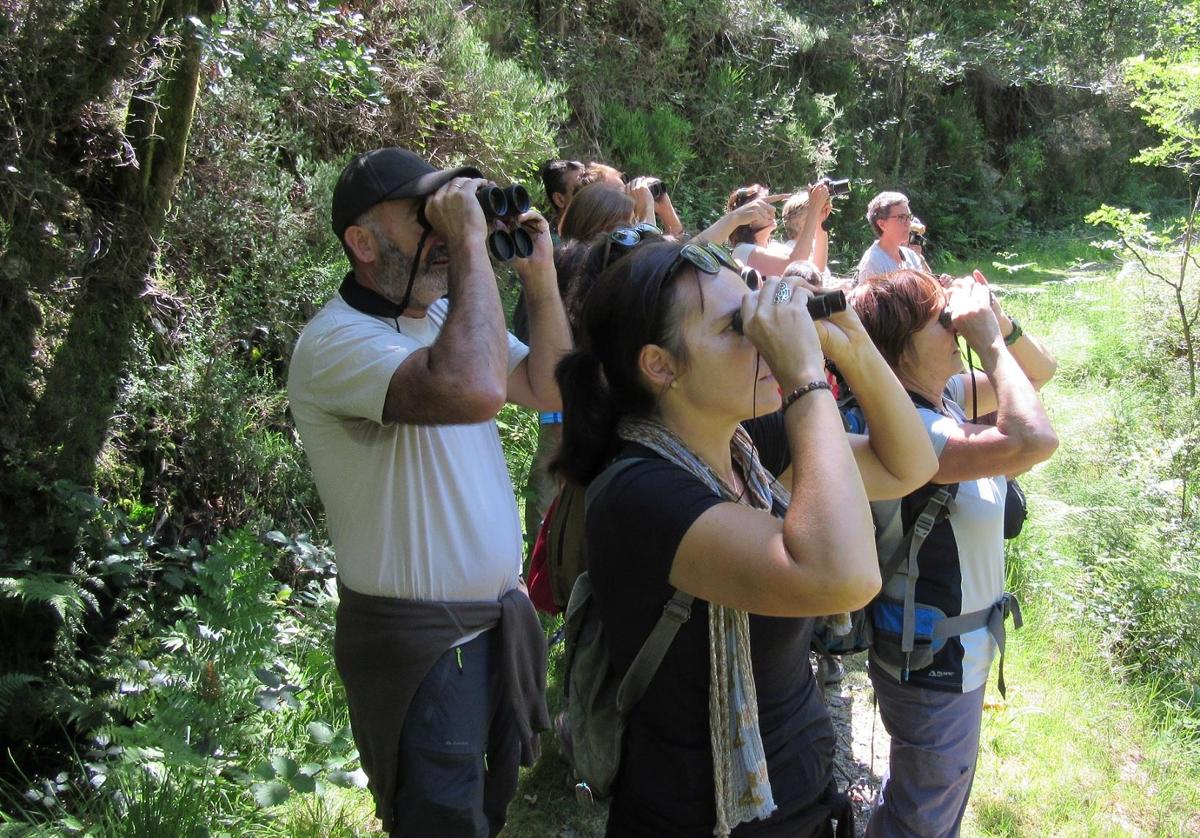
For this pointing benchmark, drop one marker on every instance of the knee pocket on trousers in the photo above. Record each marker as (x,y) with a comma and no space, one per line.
(443,789)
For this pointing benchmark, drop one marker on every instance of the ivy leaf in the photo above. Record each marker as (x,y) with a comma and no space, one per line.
(349,779)
(303,783)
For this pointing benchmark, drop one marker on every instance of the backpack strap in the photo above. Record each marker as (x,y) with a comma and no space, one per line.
(924,525)
(675,613)
(938,502)
(601,481)
(992,618)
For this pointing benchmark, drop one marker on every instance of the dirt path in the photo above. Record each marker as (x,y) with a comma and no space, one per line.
(545,807)
(862,751)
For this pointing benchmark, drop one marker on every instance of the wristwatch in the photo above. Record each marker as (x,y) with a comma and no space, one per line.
(1015,334)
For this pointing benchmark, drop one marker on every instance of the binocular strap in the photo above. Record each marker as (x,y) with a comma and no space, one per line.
(416,266)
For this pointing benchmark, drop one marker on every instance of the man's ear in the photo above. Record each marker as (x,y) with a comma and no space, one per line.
(361,243)
(658,366)
(559,200)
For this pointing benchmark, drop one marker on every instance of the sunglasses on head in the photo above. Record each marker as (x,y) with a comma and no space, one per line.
(705,256)
(630,236)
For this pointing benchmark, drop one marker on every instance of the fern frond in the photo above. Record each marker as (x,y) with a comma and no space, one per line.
(11,684)
(64,596)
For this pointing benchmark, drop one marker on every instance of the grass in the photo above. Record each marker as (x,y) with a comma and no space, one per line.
(1074,751)
(1089,742)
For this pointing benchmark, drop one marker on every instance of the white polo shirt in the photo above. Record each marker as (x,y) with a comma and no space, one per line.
(423,512)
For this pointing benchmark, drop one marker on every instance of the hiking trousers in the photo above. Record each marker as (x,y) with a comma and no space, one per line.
(935,745)
(458,757)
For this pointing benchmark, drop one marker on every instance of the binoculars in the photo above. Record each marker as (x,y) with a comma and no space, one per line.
(502,204)
(505,204)
(838,188)
(819,306)
(657,189)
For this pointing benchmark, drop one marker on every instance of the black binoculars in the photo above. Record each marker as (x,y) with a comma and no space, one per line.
(838,188)
(917,239)
(506,203)
(503,204)
(819,306)
(657,189)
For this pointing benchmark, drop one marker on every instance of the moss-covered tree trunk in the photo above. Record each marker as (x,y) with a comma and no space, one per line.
(101,191)
(72,417)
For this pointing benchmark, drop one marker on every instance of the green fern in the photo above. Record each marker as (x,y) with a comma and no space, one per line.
(67,599)
(11,684)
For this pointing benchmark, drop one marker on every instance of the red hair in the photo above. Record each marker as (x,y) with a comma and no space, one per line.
(895,306)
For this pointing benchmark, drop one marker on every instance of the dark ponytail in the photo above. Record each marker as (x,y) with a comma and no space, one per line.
(588,405)
(629,305)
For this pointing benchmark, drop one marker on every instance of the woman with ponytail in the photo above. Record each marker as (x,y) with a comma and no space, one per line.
(675,360)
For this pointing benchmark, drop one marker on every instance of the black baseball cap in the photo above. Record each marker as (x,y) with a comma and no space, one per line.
(386,174)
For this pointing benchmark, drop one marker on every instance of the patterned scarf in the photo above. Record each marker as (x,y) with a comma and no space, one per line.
(743,789)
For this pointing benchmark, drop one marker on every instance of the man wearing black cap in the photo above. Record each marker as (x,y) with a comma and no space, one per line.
(394,386)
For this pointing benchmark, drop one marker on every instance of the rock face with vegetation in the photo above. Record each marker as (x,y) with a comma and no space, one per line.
(165,176)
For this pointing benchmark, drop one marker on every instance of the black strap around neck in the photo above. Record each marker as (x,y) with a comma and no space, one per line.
(363,299)
(921,401)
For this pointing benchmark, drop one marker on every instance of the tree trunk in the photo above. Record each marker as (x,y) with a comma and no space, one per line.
(82,386)
(66,429)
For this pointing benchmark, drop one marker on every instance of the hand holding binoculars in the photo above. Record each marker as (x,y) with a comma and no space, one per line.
(819,306)
(839,188)
(504,204)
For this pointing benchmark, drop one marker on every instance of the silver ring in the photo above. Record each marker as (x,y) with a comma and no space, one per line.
(783,293)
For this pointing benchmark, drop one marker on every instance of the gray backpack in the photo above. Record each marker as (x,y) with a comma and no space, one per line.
(592,728)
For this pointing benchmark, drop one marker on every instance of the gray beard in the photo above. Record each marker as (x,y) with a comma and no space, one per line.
(395,268)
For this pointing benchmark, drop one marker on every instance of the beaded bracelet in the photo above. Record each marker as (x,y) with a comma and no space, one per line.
(805,388)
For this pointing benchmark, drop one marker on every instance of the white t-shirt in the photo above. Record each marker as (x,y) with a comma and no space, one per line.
(972,580)
(875,261)
(826,276)
(423,512)
(743,251)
